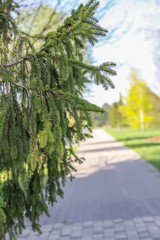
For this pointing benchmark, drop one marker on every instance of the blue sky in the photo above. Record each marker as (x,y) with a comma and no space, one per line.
(133,45)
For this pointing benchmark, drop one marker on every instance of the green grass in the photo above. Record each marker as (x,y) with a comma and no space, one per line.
(137,140)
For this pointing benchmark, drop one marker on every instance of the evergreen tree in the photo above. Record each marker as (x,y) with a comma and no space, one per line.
(40,91)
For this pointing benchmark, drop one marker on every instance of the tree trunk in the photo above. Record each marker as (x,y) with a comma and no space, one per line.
(141,115)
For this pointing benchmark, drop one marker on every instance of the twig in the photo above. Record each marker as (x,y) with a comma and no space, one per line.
(19,85)
(14,63)
(18,61)
(57,94)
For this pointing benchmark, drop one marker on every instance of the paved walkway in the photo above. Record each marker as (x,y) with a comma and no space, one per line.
(115,196)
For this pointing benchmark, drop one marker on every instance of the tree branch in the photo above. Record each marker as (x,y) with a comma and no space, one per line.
(59,95)
(18,61)
(14,63)
(19,85)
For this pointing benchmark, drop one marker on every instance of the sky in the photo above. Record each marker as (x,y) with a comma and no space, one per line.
(133,45)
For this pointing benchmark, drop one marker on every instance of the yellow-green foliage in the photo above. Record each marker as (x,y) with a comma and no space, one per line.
(137,108)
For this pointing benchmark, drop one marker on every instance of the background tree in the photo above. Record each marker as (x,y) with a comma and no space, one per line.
(41,90)
(101,119)
(116,119)
(113,114)
(38,21)
(155,111)
(137,108)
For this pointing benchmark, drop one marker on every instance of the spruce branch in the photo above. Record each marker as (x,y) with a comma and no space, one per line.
(20,60)
(76,101)
(62,97)
(18,85)
(14,63)
(21,86)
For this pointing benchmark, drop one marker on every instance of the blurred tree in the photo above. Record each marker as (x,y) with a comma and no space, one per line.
(156,57)
(39,21)
(101,119)
(137,108)
(116,119)
(155,101)
(113,115)
(42,110)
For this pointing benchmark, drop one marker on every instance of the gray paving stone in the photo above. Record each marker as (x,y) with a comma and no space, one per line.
(146,238)
(140,225)
(87,238)
(119,229)
(97,237)
(108,231)
(75,238)
(129,222)
(77,225)
(130,228)
(87,231)
(132,234)
(118,220)
(98,231)
(64,238)
(155,234)
(120,226)
(148,219)
(143,234)
(58,226)
(76,234)
(157,218)
(106,238)
(56,233)
(47,228)
(33,237)
(131,231)
(120,236)
(66,232)
(52,237)
(153,228)
(133,238)
(141,229)
(109,236)
(157,222)
(88,224)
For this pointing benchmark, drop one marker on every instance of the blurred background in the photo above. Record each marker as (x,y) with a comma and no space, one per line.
(132,108)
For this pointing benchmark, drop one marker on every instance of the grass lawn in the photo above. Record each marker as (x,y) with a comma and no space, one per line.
(145,143)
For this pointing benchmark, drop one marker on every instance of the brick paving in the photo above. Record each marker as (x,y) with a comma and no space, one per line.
(115,196)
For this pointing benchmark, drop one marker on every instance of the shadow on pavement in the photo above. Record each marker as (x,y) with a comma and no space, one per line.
(124,190)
